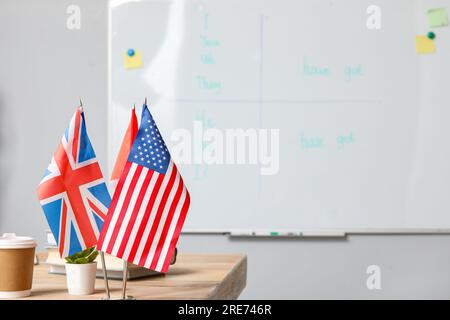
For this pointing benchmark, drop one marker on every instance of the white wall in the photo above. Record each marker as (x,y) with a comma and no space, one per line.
(45,68)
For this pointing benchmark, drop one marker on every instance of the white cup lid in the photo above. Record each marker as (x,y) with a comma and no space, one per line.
(11,241)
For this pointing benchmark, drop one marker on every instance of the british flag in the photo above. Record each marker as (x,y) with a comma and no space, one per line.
(73,193)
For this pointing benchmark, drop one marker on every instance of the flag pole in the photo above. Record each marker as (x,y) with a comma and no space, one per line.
(125,269)
(105,275)
(124,280)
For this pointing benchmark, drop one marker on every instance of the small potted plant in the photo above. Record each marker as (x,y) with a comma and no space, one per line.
(81,270)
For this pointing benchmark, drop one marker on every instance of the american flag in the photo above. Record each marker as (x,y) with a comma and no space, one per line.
(149,205)
(73,193)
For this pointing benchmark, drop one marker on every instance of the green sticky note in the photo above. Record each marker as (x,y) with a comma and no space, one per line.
(437,18)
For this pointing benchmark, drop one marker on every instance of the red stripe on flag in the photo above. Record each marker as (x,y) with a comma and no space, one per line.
(124,208)
(50,188)
(126,235)
(176,233)
(162,238)
(113,205)
(62,229)
(161,206)
(125,148)
(96,209)
(144,221)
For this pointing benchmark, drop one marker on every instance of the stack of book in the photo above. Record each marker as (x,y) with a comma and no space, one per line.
(114,266)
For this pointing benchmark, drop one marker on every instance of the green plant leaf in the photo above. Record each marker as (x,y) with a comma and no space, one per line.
(86,256)
(91,257)
(81,260)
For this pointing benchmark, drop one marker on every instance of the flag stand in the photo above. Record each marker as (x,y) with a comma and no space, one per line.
(124,282)
(105,276)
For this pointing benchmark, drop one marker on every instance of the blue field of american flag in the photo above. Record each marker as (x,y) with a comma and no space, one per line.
(73,193)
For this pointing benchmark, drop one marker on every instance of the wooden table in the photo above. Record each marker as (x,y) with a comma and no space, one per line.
(194,276)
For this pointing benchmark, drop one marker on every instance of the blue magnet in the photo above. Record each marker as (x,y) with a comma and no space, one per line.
(130,52)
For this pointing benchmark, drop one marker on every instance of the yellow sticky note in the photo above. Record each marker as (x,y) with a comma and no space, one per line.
(437,18)
(134,61)
(424,45)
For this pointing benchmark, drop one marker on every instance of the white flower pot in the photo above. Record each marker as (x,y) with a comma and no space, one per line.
(81,278)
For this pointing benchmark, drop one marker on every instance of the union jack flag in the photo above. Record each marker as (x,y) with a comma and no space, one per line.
(73,193)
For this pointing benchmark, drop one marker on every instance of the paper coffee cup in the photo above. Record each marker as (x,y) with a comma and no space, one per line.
(16,265)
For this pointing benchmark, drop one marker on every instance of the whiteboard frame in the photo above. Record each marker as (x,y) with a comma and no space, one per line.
(332,233)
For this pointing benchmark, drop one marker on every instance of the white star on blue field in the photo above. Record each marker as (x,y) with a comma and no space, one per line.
(149,149)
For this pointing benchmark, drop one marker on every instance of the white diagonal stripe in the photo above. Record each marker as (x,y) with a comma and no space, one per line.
(119,205)
(129,211)
(140,215)
(149,225)
(170,232)
(162,221)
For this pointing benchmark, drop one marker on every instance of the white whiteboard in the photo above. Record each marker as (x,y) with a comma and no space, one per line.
(393,172)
